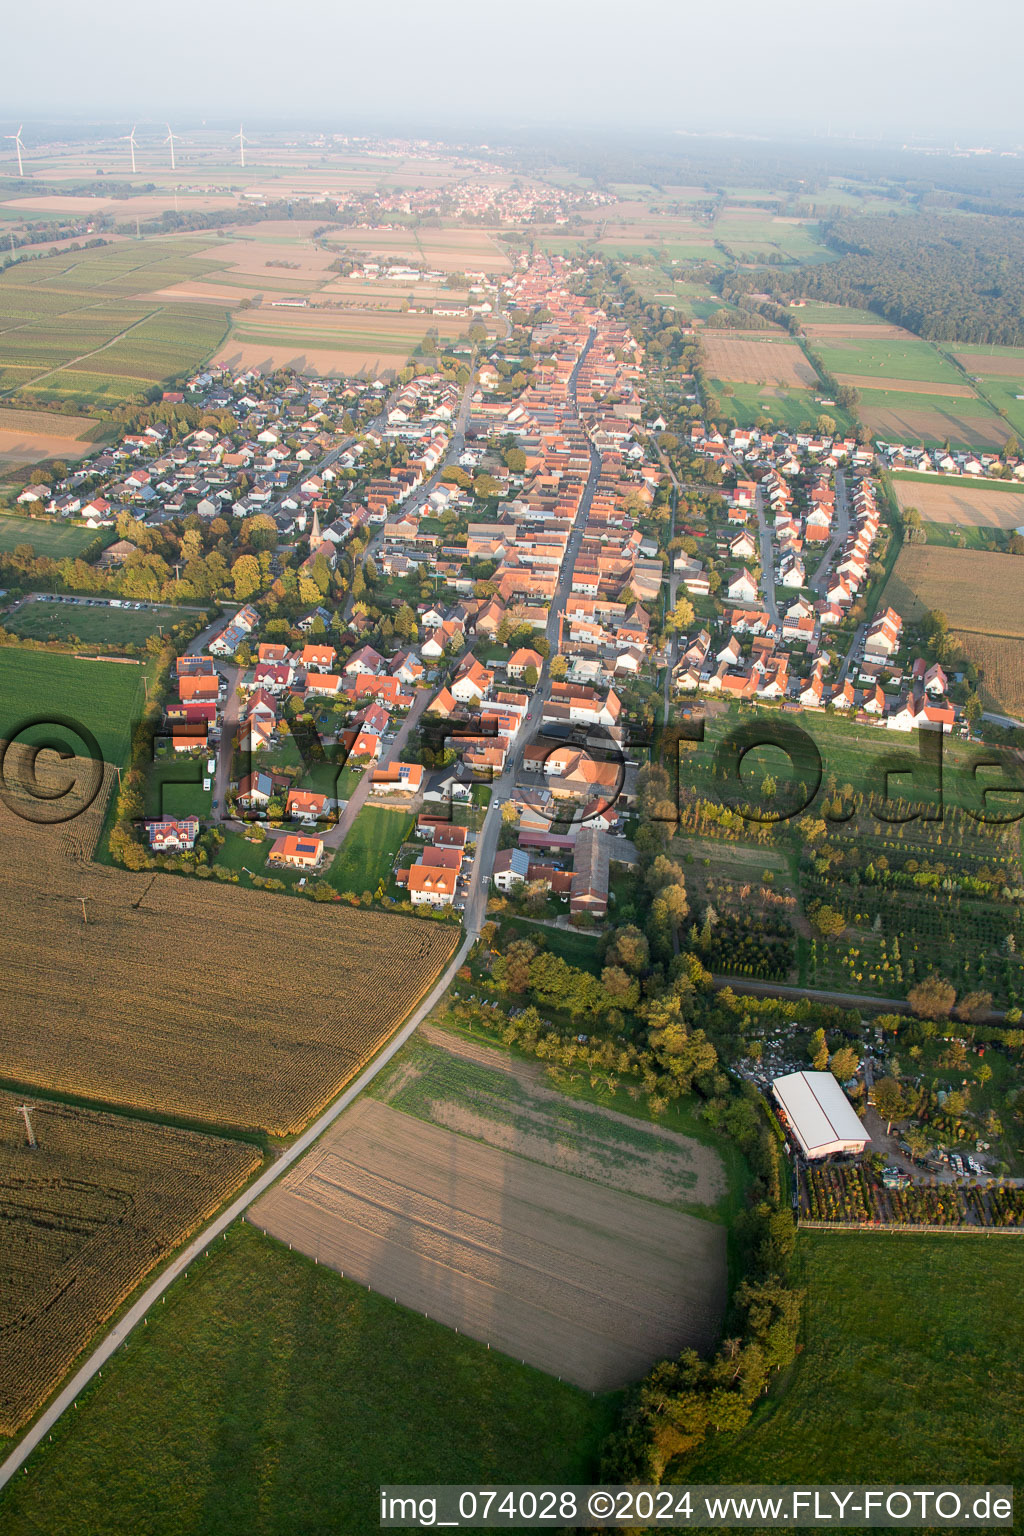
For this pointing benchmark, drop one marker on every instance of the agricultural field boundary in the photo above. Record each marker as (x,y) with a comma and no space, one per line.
(74,361)
(126,1325)
(916,1227)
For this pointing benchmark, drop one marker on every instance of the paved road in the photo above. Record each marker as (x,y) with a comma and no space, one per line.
(336,835)
(838,540)
(855,643)
(503,787)
(767,561)
(118,1335)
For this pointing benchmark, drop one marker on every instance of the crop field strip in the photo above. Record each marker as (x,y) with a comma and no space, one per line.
(69,314)
(978,591)
(482,1093)
(961,502)
(585,1282)
(750,361)
(1000,663)
(84,1216)
(288,1005)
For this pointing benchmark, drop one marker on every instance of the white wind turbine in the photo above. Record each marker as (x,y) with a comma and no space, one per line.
(19,146)
(242,142)
(130,139)
(170,140)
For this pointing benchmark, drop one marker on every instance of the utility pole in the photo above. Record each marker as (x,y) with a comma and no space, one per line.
(25,1111)
(83,900)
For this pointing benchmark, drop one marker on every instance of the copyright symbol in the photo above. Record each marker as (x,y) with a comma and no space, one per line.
(51,770)
(600,1504)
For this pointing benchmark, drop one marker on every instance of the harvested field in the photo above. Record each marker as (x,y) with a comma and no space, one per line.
(129,208)
(977,591)
(907,386)
(26,437)
(1000,663)
(993,365)
(315,361)
(200,293)
(84,1216)
(260,258)
(136,1006)
(838,331)
(966,505)
(586,1283)
(756,362)
(485,1094)
(917,424)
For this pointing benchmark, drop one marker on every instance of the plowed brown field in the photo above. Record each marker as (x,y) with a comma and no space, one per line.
(993,367)
(584,1282)
(746,361)
(966,505)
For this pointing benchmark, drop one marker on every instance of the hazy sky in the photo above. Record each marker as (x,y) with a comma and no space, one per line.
(899,68)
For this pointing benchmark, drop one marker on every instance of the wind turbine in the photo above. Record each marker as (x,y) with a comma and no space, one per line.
(170,140)
(242,142)
(18,145)
(131,140)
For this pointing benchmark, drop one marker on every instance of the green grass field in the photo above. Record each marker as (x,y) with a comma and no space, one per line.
(270,1395)
(1004,395)
(958,480)
(47,538)
(104,696)
(368,853)
(103,625)
(910,1370)
(853,753)
(888,358)
(792,408)
(176,789)
(899,415)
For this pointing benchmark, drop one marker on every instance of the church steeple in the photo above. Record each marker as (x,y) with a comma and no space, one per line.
(316,538)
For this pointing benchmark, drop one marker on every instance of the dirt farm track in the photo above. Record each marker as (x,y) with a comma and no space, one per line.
(585,1282)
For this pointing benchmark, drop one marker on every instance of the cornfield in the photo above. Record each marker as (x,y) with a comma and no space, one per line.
(227,1006)
(84,1216)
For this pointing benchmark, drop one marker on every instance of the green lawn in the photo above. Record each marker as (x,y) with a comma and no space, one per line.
(102,625)
(47,538)
(910,1369)
(367,855)
(579,949)
(104,696)
(176,789)
(271,1396)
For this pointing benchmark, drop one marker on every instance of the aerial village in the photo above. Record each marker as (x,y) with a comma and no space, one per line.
(550,598)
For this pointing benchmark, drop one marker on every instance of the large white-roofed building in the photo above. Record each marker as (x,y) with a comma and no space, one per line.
(819,1114)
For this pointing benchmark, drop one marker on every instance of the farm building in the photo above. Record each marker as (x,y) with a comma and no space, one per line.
(819,1114)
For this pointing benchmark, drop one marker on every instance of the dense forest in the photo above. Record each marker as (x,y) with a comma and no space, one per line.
(948,278)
